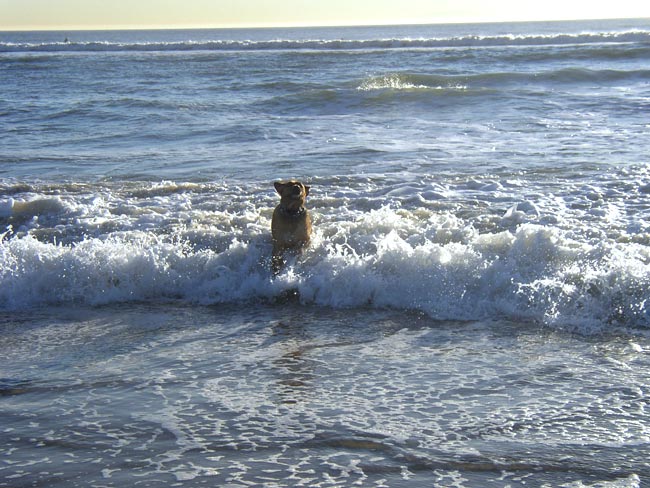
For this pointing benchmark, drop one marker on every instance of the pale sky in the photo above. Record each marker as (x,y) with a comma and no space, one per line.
(100,14)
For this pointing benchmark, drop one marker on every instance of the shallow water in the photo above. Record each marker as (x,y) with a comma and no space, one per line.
(288,395)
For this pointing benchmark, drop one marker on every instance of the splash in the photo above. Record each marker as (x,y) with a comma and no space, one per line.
(199,244)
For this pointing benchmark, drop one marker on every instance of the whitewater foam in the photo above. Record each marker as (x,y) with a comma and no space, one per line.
(402,248)
(397,81)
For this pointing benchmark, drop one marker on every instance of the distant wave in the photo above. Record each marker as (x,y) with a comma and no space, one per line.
(412,87)
(464,83)
(591,38)
(377,90)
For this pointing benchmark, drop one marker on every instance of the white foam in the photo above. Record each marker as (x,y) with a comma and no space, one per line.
(396,81)
(30,207)
(477,253)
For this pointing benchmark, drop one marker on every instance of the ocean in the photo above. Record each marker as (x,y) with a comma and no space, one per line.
(473,309)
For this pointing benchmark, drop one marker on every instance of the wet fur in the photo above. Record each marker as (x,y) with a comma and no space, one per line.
(291,224)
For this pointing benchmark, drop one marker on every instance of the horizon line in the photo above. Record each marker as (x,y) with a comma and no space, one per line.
(403,22)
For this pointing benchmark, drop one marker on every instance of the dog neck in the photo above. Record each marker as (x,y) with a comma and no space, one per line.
(293,213)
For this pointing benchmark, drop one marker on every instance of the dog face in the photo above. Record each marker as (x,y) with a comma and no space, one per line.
(292,194)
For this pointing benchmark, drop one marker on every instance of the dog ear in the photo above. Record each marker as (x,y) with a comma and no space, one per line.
(306,189)
(278,186)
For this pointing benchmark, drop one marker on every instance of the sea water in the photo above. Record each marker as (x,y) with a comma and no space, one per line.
(472,310)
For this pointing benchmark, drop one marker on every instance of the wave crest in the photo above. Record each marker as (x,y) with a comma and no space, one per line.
(397,81)
(534,273)
(588,38)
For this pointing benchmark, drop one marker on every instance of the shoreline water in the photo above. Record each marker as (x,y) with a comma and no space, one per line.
(289,395)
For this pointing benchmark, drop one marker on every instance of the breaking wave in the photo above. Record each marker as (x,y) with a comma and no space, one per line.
(400,248)
(462,83)
(588,38)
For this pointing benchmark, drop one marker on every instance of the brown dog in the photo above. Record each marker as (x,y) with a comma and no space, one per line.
(291,225)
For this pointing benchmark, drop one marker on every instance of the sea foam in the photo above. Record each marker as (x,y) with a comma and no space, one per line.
(193,246)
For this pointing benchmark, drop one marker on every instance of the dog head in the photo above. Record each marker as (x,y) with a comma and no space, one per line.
(292,194)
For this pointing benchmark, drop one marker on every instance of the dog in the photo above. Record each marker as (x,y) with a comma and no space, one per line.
(291,223)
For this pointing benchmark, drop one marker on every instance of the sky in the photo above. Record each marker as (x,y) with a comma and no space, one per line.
(116,14)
